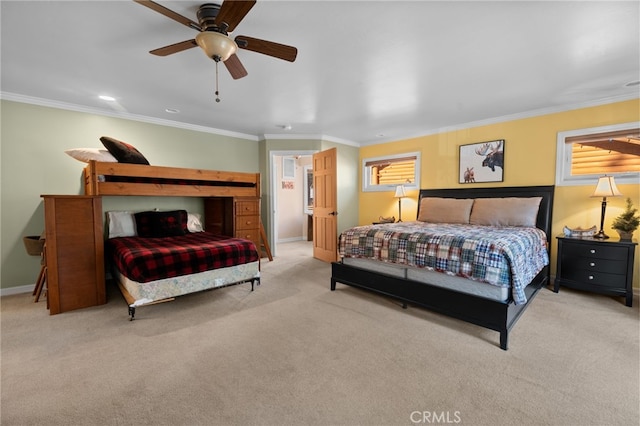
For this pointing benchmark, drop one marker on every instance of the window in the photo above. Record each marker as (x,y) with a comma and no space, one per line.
(385,173)
(288,168)
(584,155)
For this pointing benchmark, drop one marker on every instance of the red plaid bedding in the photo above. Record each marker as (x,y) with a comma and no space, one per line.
(149,259)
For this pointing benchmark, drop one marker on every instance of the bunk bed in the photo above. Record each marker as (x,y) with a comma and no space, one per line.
(227,234)
(496,306)
(102,178)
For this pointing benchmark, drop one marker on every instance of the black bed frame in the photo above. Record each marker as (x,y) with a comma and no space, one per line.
(491,314)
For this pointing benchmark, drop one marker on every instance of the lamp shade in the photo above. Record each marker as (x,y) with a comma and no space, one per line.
(400,192)
(606,188)
(216,46)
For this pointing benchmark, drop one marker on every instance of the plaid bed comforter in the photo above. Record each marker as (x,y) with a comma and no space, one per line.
(502,256)
(149,259)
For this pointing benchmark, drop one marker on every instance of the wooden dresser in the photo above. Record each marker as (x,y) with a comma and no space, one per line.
(74,252)
(237,217)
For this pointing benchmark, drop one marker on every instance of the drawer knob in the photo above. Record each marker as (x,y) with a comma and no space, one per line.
(592,264)
(592,251)
(590,277)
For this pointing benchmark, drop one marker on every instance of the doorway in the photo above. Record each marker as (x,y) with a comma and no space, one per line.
(291,201)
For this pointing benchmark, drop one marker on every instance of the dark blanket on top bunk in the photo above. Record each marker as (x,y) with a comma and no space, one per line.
(164,181)
(149,259)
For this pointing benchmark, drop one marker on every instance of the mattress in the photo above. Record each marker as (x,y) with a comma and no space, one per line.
(166,288)
(439,279)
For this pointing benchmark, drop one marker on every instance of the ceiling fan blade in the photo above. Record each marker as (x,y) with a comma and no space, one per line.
(232,12)
(174,48)
(277,50)
(235,67)
(169,13)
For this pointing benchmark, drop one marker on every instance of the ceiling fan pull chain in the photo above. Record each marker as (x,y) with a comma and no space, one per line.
(217,92)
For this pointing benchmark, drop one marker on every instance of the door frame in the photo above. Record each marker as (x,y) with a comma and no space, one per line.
(272,202)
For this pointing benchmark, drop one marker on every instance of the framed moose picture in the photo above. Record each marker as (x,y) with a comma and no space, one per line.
(482,162)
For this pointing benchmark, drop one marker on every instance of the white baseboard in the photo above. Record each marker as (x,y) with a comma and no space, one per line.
(17,290)
(290,240)
(29,287)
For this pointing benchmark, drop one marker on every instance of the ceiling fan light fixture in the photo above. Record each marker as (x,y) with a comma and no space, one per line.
(216,46)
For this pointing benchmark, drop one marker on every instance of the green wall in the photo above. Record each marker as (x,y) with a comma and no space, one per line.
(348,167)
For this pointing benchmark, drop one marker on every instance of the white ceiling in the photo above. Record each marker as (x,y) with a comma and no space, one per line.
(366,72)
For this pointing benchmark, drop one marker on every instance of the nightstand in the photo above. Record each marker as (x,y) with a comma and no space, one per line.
(600,266)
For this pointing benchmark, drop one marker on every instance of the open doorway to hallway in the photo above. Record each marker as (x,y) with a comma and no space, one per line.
(295,249)
(291,200)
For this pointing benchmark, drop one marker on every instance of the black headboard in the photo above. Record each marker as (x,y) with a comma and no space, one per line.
(544,211)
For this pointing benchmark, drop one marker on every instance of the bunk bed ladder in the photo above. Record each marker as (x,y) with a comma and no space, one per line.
(264,243)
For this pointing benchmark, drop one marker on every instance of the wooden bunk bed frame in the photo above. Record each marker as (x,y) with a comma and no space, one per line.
(197,183)
(491,314)
(147,180)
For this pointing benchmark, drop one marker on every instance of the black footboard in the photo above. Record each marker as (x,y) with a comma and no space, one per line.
(491,314)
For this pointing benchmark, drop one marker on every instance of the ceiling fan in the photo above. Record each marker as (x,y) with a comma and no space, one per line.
(215,22)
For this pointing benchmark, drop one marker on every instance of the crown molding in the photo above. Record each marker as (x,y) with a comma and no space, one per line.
(302,136)
(510,117)
(288,136)
(121,114)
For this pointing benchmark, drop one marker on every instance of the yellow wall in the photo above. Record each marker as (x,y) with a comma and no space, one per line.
(530,159)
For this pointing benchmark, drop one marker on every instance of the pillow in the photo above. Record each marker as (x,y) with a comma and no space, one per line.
(445,210)
(193,223)
(122,151)
(161,224)
(87,154)
(121,224)
(510,211)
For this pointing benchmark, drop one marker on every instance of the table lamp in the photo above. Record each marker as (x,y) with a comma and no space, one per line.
(400,194)
(606,188)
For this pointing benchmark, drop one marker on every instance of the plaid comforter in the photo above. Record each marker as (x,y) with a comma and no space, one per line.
(149,259)
(502,256)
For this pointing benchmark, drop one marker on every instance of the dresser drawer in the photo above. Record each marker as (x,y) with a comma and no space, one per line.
(244,208)
(593,264)
(595,251)
(596,278)
(248,222)
(249,234)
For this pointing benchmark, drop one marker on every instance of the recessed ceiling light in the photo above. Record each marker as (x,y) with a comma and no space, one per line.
(172,110)
(285,126)
(107,98)
(381,135)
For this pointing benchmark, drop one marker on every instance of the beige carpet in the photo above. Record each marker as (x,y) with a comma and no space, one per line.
(295,353)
